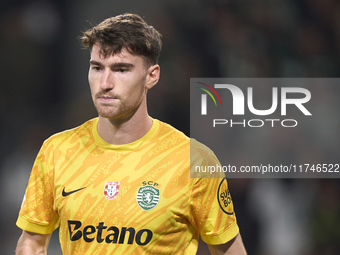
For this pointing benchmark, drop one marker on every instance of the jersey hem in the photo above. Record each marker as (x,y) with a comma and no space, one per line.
(33,227)
(223,237)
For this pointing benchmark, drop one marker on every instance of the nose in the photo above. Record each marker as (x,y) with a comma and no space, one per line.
(106,82)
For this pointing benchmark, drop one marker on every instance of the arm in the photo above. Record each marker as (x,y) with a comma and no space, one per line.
(32,244)
(233,247)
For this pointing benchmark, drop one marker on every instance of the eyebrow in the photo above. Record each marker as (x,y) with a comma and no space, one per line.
(115,65)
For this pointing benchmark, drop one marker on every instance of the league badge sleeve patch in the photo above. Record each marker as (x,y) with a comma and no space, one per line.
(224,198)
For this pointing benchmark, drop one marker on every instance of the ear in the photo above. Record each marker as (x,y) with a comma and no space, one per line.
(152,78)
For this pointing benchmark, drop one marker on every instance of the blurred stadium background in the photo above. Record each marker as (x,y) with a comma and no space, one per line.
(44,90)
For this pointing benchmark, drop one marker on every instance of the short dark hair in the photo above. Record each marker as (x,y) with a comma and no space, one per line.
(127,31)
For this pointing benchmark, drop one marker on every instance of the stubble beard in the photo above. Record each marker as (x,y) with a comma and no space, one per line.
(116,112)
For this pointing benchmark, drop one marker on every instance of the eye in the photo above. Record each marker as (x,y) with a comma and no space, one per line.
(96,68)
(122,70)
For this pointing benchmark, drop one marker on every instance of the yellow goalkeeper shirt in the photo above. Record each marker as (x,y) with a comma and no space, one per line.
(136,198)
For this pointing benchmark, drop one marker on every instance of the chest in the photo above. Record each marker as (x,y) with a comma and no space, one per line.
(125,196)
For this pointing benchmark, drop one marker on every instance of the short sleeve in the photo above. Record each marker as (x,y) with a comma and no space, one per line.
(211,206)
(37,214)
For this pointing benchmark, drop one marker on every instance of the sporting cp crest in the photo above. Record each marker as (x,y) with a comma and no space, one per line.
(111,190)
(147,197)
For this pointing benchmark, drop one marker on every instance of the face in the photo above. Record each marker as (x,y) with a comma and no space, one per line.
(119,83)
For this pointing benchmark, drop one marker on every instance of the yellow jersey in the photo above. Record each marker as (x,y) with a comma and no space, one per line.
(136,198)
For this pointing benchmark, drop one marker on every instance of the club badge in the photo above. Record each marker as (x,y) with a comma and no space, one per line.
(111,190)
(147,197)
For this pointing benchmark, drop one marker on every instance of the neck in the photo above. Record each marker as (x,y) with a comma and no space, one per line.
(124,131)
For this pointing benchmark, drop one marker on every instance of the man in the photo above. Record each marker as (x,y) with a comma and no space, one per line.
(120,183)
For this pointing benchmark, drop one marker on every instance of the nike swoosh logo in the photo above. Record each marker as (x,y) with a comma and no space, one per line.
(65,194)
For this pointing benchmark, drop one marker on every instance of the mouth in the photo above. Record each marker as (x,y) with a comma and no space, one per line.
(107,98)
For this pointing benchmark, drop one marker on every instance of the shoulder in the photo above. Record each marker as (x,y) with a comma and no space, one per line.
(203,161)
(82,131)
(167,135)
(166,129)
(198,153)
(197,148)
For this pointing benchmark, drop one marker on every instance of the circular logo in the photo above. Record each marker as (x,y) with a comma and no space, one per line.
(224,198)
(147,197)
